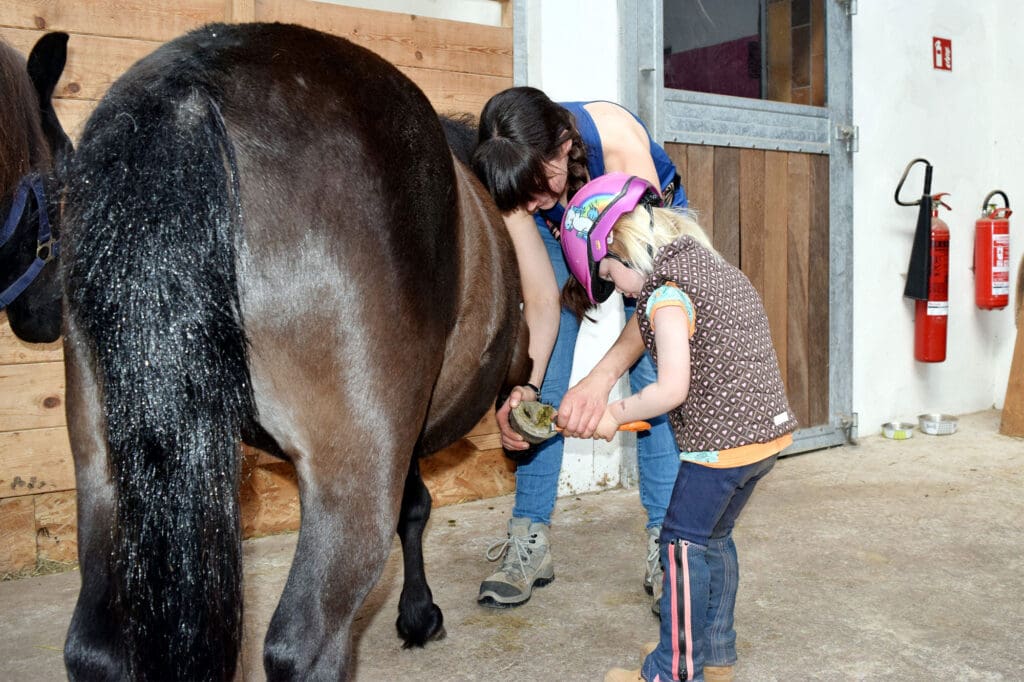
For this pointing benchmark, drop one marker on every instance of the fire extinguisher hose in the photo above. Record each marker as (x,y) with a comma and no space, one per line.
(918,270)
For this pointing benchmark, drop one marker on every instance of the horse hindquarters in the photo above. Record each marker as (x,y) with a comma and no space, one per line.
(152,295)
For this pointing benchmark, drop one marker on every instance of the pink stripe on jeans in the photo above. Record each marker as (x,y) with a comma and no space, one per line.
(674,610)
(687,622)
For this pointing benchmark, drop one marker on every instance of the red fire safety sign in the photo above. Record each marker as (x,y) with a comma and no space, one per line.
(942,53)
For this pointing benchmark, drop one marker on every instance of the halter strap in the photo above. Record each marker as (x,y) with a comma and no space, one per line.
(47,248)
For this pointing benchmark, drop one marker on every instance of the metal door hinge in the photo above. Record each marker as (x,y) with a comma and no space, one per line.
(850,135)
(850,6)
(847,423)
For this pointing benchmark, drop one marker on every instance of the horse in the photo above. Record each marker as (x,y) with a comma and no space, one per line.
(267,239)
(32,145)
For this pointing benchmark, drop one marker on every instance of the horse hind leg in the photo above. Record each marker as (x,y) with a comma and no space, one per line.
(92,648)
(419,618)
(350,502)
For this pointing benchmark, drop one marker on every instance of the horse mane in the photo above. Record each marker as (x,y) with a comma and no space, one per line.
(22,143)
(461,132)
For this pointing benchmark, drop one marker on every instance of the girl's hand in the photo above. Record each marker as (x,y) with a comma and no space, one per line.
(607,427)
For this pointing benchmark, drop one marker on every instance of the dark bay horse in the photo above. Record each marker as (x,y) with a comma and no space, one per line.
(32,143)
(267,238)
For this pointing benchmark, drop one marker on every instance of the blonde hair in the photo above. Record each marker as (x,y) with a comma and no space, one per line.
(637,236)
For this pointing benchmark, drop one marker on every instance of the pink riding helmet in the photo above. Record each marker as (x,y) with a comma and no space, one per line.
(589,218)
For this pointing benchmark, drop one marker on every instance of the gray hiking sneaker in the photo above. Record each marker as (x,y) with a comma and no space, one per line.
(527,564)
(653,573)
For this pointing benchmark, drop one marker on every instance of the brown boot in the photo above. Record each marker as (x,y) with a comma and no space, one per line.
(646,650)
(718,673)
(623,675)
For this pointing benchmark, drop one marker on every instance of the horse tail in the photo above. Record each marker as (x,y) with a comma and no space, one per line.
(152,289)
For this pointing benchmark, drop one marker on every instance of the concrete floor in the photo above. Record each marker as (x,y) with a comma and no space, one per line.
(889,560)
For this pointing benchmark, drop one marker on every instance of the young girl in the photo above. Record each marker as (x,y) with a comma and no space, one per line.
(719,381)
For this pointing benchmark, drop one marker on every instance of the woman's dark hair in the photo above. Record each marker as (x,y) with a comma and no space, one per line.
(574,299)
(520,130)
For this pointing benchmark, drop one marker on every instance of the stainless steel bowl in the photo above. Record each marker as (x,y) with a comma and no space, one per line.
(935,424)
(898,430)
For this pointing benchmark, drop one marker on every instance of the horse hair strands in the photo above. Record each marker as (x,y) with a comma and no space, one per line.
(151,284)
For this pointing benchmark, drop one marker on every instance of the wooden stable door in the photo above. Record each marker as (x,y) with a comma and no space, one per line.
(768,213)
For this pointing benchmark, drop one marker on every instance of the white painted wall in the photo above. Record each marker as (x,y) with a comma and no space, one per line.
(573,55)
(965,123)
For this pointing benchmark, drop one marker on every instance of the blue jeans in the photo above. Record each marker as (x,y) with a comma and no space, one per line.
(701,570)
(657,452)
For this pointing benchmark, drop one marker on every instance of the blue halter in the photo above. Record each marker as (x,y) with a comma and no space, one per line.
(47,248)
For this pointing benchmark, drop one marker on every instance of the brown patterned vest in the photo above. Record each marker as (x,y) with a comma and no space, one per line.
(736,394)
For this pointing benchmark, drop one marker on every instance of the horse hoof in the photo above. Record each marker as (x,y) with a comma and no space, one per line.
(413,636)
(437,636)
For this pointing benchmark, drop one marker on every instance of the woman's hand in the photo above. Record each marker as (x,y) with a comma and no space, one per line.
(510,440)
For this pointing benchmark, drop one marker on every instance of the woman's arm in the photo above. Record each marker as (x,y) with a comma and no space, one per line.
(541,305)
(671,335)
(541,309)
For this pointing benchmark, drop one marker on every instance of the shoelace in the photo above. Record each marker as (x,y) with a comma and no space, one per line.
(519,544)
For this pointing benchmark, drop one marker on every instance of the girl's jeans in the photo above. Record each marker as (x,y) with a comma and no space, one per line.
(701,570)
(657,452)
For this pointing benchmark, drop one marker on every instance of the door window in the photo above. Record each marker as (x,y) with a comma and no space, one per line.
(760,49)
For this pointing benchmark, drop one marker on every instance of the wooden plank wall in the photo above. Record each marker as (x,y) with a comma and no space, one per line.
(459,66)
(767,212)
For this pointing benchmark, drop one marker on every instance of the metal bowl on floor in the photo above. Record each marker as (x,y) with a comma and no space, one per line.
(935,424)
(898,430)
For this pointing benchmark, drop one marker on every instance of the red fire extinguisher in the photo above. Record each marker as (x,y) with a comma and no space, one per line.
(930,316)
(992,254)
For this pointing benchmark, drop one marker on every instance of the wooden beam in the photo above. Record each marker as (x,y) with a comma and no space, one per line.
(17,535)
(35,461)
(14,351)
(404,39)
(752,231)
(776,272)
(140,19)
(797,312)
(727,203)
(818,278)
(239,11)
(31,396)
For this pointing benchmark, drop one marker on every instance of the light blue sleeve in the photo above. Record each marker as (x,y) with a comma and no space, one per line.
(671,295)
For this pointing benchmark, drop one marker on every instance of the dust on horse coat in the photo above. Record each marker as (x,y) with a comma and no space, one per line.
(32,142)
(268,238)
